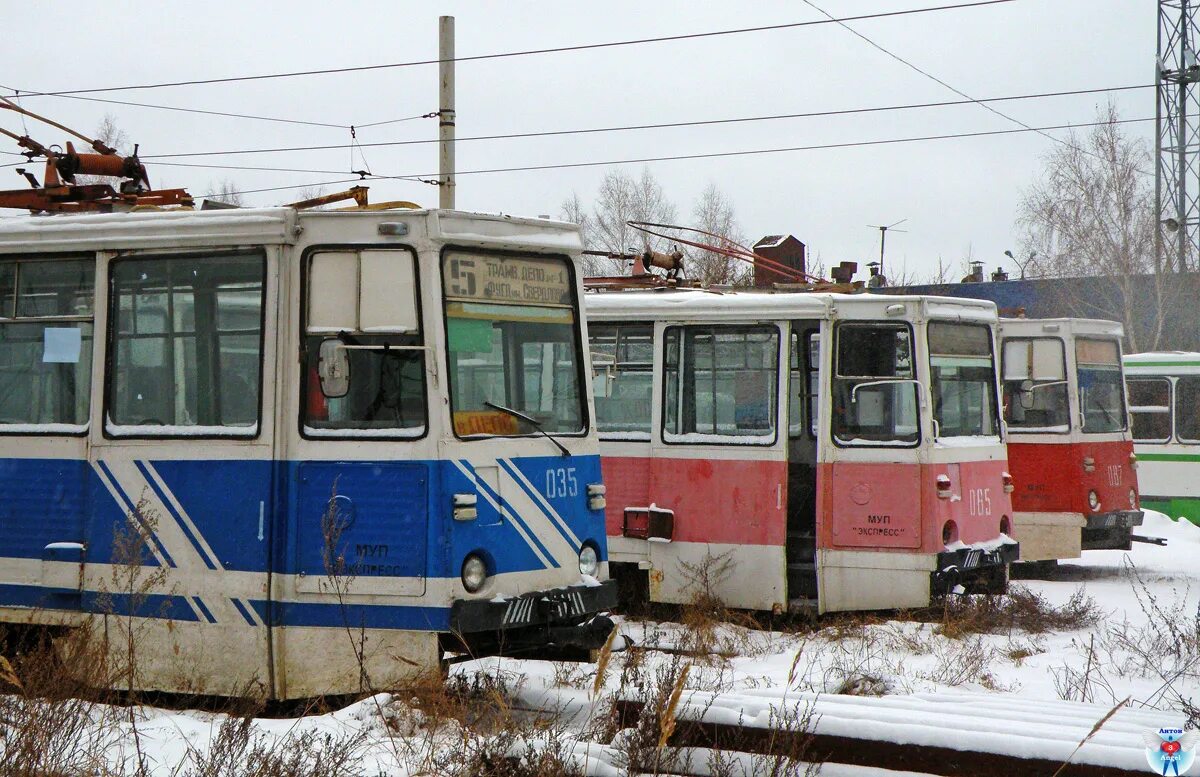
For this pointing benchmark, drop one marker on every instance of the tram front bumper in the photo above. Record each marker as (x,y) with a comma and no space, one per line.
(1111,531)
(562,616)
(977,570)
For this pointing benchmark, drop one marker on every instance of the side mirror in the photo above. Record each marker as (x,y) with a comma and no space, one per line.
(1026,390)
(333,368)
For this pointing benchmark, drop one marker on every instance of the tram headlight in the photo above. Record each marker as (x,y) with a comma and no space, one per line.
(1132,499)
(588,560)
(1093,501)
(474,573)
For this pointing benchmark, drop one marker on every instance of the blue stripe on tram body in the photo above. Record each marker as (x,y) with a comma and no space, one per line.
(377,519)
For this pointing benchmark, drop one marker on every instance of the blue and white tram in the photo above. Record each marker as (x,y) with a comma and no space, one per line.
(298,449)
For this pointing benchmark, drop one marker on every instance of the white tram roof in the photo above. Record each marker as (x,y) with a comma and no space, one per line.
(1162,363)
(1077,326)
(707,305)
(277,226)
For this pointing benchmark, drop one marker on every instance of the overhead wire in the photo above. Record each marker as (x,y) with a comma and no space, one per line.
(527,52)
(425,177)
(227,114)
(981,103)
(635,127)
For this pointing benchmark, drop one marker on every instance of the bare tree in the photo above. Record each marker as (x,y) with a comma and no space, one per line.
(226,191)
(573,210)
(714,213)
(621,199)
(1091,214)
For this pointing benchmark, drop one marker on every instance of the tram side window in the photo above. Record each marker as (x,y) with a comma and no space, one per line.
(622,365)
(803,381)
(721,385)
(874,387)
(187,345)
(1150,409)
(962,379)
(1035,385)
(1187,409)
(1101,388)
(46,309)
(363,329)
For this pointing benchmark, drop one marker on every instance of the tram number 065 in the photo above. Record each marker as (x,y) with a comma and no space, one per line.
(979,501)
(560,481)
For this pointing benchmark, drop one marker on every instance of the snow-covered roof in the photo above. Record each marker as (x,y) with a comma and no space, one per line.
(275,226)
(1027,327)
(771,241)
(696,304)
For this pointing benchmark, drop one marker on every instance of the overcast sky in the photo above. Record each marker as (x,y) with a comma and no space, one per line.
(957,195)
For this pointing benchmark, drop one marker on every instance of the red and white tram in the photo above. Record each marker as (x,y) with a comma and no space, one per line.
(1069,445)
(801,450)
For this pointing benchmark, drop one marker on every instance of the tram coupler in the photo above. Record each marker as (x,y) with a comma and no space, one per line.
(1110,531)
(1160,541)
(977,570)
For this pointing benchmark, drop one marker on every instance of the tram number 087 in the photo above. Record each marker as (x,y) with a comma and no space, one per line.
(979,501)
(560,482)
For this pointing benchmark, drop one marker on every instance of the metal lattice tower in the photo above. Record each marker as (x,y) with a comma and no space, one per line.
(1177,172)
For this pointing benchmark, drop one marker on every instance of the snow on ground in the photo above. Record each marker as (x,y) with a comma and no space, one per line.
(899,679)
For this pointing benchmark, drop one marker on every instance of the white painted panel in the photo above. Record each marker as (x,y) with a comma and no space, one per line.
(388,292)
(333,292)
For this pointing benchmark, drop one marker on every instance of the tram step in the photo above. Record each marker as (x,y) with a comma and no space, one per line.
(801,546)
(802,604)
(802,579)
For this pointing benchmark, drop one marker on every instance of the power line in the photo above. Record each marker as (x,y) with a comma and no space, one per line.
(982,103)
(712,155)
(553,50)
(664,125)
(227,114)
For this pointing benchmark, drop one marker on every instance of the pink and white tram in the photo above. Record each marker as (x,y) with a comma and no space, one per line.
(800,450)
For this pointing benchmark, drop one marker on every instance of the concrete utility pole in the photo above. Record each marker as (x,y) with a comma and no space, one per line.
(1177,173)
(446,112)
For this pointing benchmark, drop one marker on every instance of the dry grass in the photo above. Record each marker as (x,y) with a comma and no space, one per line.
(1019,610)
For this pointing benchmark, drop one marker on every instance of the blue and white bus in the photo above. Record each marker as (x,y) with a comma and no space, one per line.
(287,450)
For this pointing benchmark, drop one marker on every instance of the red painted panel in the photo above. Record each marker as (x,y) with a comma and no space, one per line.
(626,483)
(977,504)
(722,501)
(1050,477)
(873,505)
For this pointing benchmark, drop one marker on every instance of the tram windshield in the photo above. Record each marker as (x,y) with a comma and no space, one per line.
(512,339)
(1098,366)
(962,380)
(874,387)
(1035,386)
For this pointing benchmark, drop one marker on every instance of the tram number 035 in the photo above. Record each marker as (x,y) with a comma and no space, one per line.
(561,481)
(979,501)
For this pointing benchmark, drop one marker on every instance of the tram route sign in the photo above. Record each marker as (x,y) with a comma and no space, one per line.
(519,280)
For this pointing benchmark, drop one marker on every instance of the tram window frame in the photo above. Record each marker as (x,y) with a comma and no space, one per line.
(333,434)
(759,441)
(114,430)
(1194,408)
(618,331)
(578,316)
(13,315)
(1064,383)
(938,397)
(1120,384)
(838,377)
(1167,410)
(807,364)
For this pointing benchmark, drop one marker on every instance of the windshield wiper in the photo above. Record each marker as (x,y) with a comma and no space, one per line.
(535,424)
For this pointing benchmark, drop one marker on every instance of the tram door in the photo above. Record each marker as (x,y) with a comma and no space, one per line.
(182,462)
(804,359)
